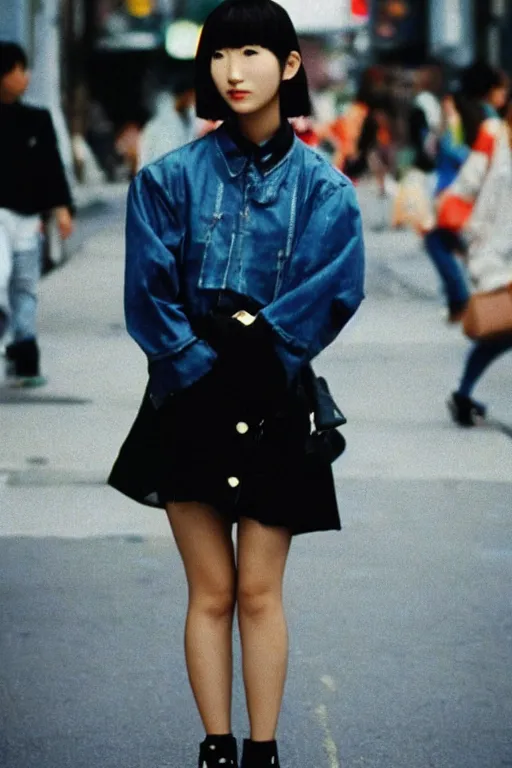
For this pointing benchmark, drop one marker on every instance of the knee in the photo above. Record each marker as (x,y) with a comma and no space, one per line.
(216,603)
(256,598)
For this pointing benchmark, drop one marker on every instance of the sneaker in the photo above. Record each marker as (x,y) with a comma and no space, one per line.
(22,364)
(27,382)
(465,411)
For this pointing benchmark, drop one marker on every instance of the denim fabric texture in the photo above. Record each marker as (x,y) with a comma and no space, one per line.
(441,245)
(205,220)
(20,271)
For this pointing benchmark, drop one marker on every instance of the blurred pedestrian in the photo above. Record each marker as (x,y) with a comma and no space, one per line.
(244,261)
(32,182)
(173,125)
(489,255)
(426,116)
(438,154)
(374,150)
(346,129)
(484,92)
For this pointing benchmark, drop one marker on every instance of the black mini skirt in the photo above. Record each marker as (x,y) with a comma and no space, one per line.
(220,456)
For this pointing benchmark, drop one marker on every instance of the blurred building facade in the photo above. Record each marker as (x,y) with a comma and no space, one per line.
(454,31)
(36,25)
(97,64)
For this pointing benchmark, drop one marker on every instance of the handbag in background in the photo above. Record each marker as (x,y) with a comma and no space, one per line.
(489,314)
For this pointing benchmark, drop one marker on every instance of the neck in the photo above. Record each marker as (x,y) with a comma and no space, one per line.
(6,98)
(261,126)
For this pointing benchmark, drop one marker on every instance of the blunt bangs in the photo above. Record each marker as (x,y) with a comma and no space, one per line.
(236,24)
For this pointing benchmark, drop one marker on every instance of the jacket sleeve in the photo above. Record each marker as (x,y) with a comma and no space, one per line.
(155,315)
(58,188)
(324,284)
(453,152)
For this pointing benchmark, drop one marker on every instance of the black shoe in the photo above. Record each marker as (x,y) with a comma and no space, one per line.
(465,411)
(260,754)
(23,364)
(218,752)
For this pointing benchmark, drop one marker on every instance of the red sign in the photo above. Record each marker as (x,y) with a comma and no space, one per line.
(360,9)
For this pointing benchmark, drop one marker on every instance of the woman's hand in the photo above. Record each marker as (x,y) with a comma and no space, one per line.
(248,363)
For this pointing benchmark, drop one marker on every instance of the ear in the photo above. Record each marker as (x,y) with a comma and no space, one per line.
(292,66)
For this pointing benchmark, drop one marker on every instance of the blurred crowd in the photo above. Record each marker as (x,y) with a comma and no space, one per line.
(436,148)
(450,177)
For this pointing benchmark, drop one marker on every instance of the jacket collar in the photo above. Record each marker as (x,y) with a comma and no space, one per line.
(238,151)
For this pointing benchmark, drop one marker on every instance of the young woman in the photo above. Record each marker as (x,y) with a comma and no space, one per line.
(244,260)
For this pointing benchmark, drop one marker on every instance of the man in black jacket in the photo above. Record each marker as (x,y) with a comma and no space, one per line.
(32,183)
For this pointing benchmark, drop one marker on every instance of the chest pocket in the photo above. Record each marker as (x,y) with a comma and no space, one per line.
(246,243)
(271,230)
(214,239)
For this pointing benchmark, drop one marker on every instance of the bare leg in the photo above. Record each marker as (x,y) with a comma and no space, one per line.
(205,544)
(262,554)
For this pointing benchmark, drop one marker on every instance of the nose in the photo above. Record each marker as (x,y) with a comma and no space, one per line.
(234,74)
(234,79)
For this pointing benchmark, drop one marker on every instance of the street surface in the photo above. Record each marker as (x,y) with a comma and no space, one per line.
(401,626)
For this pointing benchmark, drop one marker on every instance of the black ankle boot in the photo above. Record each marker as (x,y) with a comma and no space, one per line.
(465,411)
(218,752)
(260,754)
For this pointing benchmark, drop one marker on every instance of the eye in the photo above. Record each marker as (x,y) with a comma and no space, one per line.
(217,55)
(250,52)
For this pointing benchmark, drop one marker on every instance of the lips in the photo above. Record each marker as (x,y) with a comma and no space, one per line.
(238,95)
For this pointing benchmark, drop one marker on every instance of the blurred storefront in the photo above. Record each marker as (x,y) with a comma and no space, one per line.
(399,31)
(36,26)
(453,31)
(493,19)
(456,32)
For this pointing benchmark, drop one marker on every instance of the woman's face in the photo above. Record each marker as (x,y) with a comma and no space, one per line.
(498,96)
(248,78)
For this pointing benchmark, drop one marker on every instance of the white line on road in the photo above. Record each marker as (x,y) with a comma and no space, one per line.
(329,683)
(329,745)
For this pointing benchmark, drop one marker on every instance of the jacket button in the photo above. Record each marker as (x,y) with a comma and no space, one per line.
(234,482)
(242,428)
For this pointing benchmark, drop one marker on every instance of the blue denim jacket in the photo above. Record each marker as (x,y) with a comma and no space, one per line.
(205,219)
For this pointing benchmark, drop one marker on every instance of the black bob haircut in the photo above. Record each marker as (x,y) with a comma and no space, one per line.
(11,54)
(235,24)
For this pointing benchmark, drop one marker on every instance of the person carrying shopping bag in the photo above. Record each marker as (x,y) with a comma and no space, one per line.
(483,94)
(244,259)
(439,143)
(489,260)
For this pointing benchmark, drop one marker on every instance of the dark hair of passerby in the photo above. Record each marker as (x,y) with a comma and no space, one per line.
(372,83)
(239,23)
(472,114)
(480,79)
(430,77)
(479,83)
(11,55)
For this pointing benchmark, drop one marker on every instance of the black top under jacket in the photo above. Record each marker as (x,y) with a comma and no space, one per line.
(32,176)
